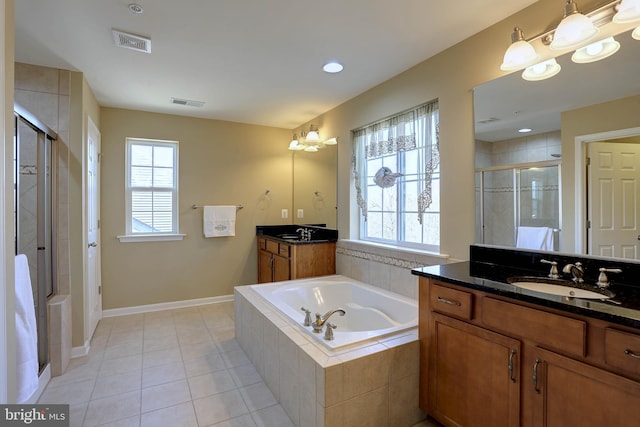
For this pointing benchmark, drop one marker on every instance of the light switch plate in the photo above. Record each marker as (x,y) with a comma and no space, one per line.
(300,213)
(285,213)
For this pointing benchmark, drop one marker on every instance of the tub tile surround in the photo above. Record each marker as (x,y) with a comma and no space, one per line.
(374,383)
(384,266)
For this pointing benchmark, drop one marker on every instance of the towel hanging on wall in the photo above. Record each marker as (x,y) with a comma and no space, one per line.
(26,334)
(219,221)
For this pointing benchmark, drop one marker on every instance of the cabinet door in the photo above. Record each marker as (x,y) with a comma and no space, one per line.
(281,270)
(570,393)
(474,375)
(265,269)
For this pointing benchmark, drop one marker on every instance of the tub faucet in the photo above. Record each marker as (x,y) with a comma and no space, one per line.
(576,271)
(321,320)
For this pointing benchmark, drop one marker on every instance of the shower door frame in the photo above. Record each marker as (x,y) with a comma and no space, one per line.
(46,219)
(515,168)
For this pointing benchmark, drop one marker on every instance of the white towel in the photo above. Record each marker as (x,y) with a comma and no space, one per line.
(540,238)
(219,221)
(26,334)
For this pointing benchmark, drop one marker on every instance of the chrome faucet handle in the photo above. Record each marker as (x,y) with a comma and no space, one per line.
(603,280)
(328,333)
(307,316)
(553,273)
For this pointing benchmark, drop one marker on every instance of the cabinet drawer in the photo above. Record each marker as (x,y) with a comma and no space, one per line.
(622,350)
(272,246)
(262,243)
(562,333)
(451,301)
(284,250)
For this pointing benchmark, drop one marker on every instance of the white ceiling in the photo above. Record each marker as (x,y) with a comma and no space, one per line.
(253,61)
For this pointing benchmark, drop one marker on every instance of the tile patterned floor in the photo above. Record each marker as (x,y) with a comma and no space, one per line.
(174,368)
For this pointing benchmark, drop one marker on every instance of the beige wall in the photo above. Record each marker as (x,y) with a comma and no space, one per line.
(220,163)
(450,77)
(605,117)
(315,172)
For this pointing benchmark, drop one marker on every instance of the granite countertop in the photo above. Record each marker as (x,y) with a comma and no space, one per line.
(623,308)
(319,233)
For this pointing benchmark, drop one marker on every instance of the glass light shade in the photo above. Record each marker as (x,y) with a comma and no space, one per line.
(296,146)
(628,11)
(596,51)
(331,141)
(541,71)
(572,31)
(312,135)
(636,33)
(311,148)
(519,55)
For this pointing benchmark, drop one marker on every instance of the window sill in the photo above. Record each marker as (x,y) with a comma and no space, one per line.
(131,238)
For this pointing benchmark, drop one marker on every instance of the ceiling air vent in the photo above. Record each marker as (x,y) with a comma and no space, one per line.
(132,41)
(489,120)
(187,102)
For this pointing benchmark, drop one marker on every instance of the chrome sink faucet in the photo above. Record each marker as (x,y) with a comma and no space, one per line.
(576,271)
(305,233)
(321,320)
(603,280)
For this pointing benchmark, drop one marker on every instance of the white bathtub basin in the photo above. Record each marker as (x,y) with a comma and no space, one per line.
(371,312)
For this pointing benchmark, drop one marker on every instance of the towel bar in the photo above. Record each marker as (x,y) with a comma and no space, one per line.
(196,207)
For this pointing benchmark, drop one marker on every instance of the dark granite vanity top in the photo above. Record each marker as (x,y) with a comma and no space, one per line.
(289,234)
(488,272)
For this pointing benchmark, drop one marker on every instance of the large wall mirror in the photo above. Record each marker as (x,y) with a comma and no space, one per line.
(524,198)
(315,177)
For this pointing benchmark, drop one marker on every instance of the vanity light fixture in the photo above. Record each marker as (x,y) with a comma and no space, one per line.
(574,29)
(541,71)
(310,141)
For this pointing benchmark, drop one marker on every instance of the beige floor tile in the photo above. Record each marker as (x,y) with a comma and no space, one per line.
(128,348)
(116,384)
(163,374)
(165,395)
(161,357)
(198,350)
(211,363)
(242,421)
(271,416)
(258,396)
(245,375)
(182,415)
(126,422)
(120,365)
(109,409)
(76,413)
(235,358)
(220,407)
(212,383)
(161,342)
(72,393)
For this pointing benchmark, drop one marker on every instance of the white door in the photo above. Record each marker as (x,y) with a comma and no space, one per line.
(94,282)
(614,200)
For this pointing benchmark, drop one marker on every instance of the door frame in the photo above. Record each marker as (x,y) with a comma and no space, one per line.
(581,178)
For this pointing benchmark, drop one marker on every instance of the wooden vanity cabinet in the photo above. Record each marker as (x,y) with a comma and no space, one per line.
(492,361)
(279,261)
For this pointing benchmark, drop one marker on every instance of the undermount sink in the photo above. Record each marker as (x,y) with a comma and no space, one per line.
(560,287)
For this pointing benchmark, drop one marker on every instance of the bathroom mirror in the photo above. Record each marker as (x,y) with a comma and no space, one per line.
(509,103)
(315,186)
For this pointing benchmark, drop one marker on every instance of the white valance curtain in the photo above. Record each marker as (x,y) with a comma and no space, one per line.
(417,128)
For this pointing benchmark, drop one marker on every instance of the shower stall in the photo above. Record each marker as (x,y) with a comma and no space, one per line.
(34,199)
(509,198)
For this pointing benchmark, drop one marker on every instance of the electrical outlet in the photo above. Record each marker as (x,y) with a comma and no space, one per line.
(285,213)
(300,213)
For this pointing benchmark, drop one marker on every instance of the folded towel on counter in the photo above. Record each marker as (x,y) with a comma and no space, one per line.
(26,333)
(219,221)
(540,238)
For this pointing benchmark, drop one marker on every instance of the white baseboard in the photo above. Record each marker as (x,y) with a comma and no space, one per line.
(43,380)
(148,308)
(81,351)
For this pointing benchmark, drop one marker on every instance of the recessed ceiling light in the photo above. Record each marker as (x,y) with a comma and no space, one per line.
(525,130)
(135,8)
(333,67)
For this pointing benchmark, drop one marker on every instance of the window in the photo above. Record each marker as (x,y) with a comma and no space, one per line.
(152,187)
(396,165)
